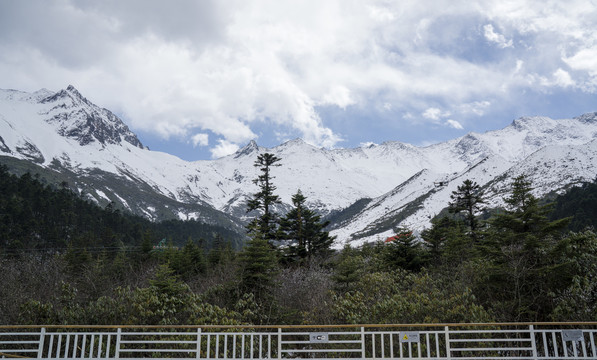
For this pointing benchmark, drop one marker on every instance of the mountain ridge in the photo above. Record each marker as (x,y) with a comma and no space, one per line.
(65,132)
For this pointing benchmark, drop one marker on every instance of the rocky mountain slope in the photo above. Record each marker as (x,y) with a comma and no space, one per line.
(382,186)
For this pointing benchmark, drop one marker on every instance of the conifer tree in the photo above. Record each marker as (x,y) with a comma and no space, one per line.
(348,270)
(265,199)
(526,215)
(574,277)
(404,251)
(167,282)
(518,242)
(304,229)
(258,268)
(189,261)
(220,252)
(525,224)
(445,242)
(468,198)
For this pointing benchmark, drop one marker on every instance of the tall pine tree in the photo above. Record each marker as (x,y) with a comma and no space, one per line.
(468,199)
(265,199)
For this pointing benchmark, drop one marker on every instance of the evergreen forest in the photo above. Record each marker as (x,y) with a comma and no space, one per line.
(64,260)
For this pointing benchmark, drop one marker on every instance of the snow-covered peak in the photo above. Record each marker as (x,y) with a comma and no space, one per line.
(247,150)
(526,123)
(77,118)
(68,97)
(297,146)
(408,184)
(590,118)
(298,142)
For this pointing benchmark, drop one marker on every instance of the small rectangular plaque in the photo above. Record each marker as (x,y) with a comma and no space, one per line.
(572,335)
(319,337)
(409,337)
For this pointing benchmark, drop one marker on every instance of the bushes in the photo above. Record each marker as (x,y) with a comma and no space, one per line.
(519,267)
(167,301)
(402,297)
(361,285)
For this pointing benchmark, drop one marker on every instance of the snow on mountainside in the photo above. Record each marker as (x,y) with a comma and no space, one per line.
(68,134)
(76,118)
(99,156)
(550,168)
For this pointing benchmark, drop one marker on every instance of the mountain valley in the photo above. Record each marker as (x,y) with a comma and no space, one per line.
(366,191)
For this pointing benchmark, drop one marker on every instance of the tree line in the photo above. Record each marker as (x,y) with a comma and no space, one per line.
(40,217)
(474,264)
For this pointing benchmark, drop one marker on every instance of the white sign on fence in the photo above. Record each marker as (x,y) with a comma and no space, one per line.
(410,337)
(572,335)
(319,337)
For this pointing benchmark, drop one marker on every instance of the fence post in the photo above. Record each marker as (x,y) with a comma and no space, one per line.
(117,349)
(593,343)
(279,343)
(532,330)
(363,350)
(448,351)
(40,349)
(198,343)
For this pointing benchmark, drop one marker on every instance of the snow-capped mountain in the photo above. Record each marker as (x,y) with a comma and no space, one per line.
(367,191)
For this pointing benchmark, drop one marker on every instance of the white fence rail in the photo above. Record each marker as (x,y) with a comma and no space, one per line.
(568,341)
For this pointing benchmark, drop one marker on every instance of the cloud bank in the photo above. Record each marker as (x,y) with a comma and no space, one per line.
(215,74)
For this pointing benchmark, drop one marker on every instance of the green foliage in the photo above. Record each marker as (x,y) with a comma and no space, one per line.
(348,270)
(446,242)
(189,261)
(517,243)
(578,203)
(265,199)
(259,265)
(520,267)
(303,230)
(468,199)
(43,218)
(402,297)
(574,277)
(403,251)
(167,301)
(221,252)
(525,215)
(34,312)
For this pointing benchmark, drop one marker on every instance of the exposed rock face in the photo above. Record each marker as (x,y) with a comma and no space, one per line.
(77,118)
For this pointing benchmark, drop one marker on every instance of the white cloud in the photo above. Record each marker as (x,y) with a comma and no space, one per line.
(494,37)
(339,96)
(381,14)
(477,108)
(200,139)
(223,148)
(231,66)
(562,78)
(435,114)
(454,124)
(584,60)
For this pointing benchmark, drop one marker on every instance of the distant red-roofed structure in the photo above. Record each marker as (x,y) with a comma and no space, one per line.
(396,237)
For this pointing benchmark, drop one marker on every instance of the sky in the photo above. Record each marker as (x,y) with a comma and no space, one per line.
(201,79)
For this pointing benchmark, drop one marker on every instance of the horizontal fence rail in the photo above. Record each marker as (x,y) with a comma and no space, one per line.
(570,341)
